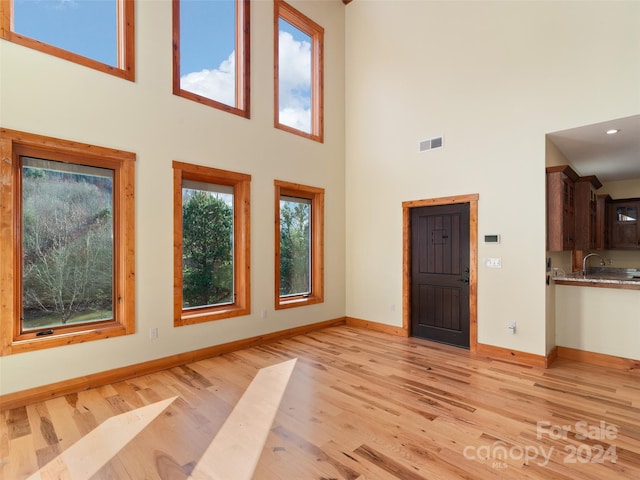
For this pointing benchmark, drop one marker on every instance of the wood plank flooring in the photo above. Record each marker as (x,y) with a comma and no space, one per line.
(358,405)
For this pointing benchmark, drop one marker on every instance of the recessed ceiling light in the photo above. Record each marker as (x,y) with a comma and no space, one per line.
(613,131)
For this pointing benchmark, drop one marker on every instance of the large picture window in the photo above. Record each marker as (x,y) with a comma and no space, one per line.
(67,243)
(211,236)
(211,53)
(94,33)
(299,240)
(299,44)
(67,216)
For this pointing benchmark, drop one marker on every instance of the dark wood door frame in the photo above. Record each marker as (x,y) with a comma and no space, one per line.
(472,200)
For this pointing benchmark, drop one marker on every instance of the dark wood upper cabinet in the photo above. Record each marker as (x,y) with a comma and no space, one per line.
(624,225)
(586,232)
(602,222)
(561,208)
(579,219)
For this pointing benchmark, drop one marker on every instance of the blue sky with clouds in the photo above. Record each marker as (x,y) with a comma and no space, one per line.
(294,68)
(207,46)
(207,34)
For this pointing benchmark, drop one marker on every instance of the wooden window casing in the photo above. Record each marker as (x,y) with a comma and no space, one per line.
(125,67)
(286,12)
(243,63)
(316,196)
(13,145)
(241,184)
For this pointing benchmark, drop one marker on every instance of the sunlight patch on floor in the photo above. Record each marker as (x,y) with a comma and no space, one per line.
(85,457)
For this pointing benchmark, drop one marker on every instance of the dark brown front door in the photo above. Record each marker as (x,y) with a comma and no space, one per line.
(440,273)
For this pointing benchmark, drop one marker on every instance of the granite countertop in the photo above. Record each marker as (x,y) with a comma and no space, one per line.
(602,277)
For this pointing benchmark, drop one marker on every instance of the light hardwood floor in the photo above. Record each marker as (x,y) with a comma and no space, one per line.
(358,405)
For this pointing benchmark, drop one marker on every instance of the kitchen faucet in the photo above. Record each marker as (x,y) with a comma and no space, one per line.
(586,257)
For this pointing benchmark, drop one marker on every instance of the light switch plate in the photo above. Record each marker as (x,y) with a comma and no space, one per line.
(493,262)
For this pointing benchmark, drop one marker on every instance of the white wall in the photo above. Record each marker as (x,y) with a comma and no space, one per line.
(601,320)
(622,188)
(45,95)
(560,260)
(493,78)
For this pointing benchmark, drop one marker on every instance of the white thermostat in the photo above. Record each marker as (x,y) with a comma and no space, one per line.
(495,238)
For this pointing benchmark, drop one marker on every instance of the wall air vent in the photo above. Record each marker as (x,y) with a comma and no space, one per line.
(431,144)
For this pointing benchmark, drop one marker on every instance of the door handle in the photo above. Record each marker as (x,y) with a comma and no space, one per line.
(464,280)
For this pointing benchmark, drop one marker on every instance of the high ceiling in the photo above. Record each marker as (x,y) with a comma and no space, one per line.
(592,152)
(610,157)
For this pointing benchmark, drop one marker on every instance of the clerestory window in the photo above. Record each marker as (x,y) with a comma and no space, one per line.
(211,53)
(67,217)
(299,71)
(94,33)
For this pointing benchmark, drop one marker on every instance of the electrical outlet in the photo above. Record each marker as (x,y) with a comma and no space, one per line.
(153,333)
(263,314)
(512,327)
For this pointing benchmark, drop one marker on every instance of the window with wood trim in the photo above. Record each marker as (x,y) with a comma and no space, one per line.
(299,72)
(67,228)
(299,241)
(98,34)
(211,53)
(211,244)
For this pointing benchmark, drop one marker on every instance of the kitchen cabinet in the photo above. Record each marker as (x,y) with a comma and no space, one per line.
(624,225)
(561,208)
(586,212)
(602,222)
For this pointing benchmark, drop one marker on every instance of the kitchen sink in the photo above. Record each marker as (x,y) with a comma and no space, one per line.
(613,273)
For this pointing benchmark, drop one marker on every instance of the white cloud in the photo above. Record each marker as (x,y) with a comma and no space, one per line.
(294,65)
(62,4)
(296,117)
(218,84)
